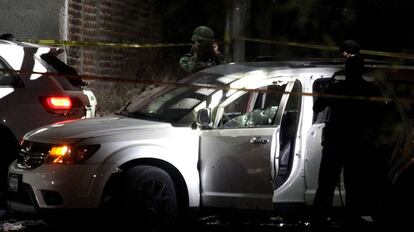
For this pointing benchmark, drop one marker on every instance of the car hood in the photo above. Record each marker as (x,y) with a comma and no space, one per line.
(75,130)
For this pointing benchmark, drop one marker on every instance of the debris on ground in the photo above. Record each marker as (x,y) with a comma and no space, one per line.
(20,225)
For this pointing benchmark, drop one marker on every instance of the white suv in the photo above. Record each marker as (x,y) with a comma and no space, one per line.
(240,136)
(36,88)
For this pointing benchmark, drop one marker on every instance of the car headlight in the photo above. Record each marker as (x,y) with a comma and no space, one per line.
(69,154)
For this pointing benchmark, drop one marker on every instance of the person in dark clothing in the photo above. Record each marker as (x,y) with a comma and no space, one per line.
(7,36)
(204,51)
(349,48)
(348,139)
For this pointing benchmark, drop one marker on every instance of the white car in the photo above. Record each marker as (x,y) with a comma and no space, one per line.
(36,88)
(238,136)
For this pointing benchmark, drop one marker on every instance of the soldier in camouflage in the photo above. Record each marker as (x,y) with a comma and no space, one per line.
(204,52)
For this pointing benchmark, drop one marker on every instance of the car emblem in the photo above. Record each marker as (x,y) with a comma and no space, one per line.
(25,160)
(28,147)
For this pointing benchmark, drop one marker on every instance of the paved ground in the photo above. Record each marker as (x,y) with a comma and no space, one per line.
(206,223)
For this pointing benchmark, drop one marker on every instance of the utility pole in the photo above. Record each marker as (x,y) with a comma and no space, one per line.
(261,26)
(237,19)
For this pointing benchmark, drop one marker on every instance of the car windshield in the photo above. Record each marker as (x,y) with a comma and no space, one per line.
(53,64)
(174,104)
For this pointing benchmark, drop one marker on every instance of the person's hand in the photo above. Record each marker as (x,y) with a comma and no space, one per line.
(346,54)
(215,48)
(194,47)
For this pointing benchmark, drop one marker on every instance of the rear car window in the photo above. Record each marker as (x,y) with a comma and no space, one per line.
(69,80)
(7,76)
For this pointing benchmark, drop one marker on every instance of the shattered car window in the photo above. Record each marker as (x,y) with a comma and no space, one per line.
(174,104)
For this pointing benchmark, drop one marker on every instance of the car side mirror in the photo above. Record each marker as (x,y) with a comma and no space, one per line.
(203,119)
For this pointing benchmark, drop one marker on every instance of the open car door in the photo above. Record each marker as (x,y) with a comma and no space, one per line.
(239,156)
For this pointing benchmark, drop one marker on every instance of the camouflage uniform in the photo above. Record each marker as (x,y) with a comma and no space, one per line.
(203,54)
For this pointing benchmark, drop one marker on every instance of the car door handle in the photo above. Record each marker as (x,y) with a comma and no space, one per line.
(259,140)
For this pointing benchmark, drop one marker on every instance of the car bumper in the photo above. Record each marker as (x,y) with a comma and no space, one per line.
(54,187)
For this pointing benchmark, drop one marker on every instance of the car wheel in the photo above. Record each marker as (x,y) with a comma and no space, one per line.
(148,194)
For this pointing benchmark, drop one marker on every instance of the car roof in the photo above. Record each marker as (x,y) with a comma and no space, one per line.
(294,64)
(21,44)
(6,42)
(305,65)
(243,73)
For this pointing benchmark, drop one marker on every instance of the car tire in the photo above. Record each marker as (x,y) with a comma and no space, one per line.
(148,194)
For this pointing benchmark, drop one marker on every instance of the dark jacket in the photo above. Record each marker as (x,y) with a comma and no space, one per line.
(354,111)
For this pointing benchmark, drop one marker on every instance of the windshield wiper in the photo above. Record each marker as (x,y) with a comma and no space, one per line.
(138,114)
(124,109)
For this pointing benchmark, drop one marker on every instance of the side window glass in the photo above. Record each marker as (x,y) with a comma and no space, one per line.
(253,109)
(6,74)
(290,119)
(293,104)
(318,86)
(288,133)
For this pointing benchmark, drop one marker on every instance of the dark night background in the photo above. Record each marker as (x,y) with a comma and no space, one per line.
(381,25)
(378,25)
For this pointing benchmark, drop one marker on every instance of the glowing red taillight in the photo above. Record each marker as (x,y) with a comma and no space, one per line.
(58,103)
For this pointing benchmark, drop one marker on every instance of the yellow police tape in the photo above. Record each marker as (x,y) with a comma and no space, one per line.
(328,48)
(201,85)
(227,39)
(51,42)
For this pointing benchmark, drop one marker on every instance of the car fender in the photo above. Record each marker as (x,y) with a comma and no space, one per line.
(146,151)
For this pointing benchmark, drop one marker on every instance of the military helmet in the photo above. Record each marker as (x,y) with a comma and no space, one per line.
(349,46)
(202,33)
